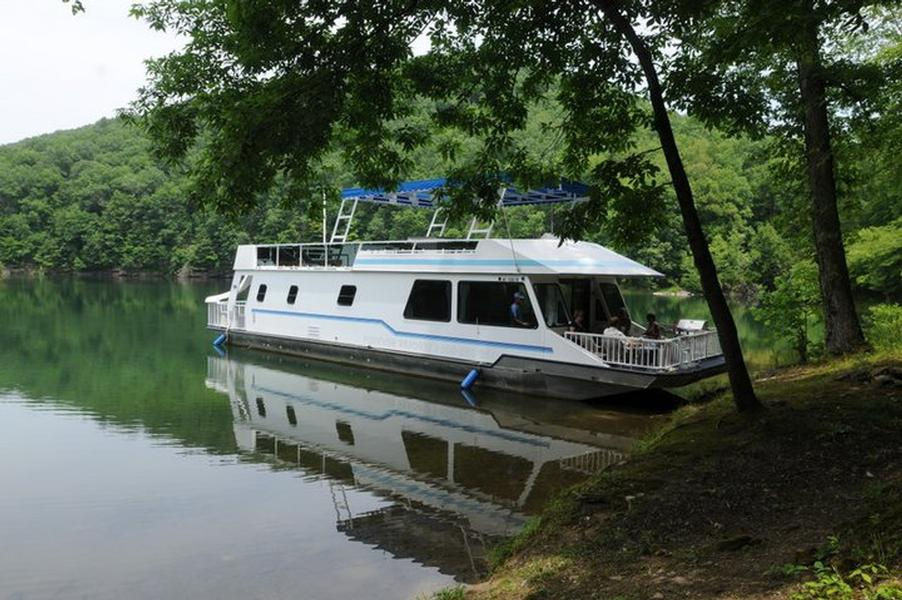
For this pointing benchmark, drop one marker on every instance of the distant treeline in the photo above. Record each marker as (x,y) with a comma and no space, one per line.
(95,199)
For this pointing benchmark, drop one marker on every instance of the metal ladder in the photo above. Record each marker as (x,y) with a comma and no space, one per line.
(485,229)
(479,228)
(435,225)
(343,218)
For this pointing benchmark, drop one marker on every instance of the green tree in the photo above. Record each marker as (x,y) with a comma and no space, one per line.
(791,307)
(875,259)
(770,65)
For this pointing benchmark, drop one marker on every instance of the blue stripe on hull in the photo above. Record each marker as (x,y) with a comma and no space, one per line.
(396,412)
(408,334)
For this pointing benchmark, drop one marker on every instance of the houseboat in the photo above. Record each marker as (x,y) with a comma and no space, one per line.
(496,311)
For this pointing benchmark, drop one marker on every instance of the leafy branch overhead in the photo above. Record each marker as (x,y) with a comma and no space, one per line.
(270,89)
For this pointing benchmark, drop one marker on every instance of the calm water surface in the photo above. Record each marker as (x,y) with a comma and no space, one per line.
(136,462)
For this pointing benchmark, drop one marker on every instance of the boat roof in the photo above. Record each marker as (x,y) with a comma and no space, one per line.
(546,256)
(425,193)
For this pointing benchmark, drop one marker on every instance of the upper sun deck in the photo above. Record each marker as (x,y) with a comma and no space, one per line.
(433,255)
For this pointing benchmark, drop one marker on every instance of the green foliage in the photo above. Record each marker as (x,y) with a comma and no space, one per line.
(883,326)
(875,259)
(789,309)
(457,592)
(830,583)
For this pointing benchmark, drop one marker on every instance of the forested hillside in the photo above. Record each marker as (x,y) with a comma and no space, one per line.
(94,199)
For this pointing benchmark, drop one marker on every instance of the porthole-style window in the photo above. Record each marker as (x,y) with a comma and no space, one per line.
(346,295)
(261,407)
(292,294)
(292,417)
(261,292)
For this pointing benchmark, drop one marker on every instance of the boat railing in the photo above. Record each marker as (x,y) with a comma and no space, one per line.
(238,315)
(646,353)
(342,255)
(218,315)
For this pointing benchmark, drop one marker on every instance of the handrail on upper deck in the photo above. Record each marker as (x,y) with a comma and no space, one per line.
(343,254)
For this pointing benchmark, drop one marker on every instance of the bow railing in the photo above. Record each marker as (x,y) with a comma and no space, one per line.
(646,353)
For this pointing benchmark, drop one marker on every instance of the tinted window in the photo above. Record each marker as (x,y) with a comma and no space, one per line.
(429,300)
(292,294)
(492,303)
(289,256)
(261,292)
(552,303)
(345,433)
(612,298)
(346,295)
(244,288)
(266,255)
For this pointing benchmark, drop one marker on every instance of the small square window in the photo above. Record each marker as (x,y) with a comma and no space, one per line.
(346,295)
(292,294)
(345,434)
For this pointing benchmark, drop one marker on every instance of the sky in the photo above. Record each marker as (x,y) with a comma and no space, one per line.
(59,71)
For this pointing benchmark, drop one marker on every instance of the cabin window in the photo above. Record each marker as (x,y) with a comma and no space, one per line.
(429,300)
(345,434)
(244,288)
(292,417)
(292,294)
(266,256)
(492,303)
(612,298)
(261,407)
(261,292)
(551,302)
(346,295)
(289,256)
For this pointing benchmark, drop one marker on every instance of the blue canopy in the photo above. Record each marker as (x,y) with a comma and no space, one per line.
(420,194)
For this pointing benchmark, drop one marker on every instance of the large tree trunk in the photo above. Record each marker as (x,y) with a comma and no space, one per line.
(740,382)
(843,331)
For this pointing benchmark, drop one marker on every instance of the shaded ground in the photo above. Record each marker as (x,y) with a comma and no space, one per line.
(722,505)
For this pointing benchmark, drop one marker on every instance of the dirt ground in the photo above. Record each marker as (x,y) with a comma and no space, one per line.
(723,505)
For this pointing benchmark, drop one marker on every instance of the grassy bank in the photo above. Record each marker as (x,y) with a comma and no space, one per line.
(722,505)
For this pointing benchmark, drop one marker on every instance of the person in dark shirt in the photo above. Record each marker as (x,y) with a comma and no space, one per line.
(652,328)
(516,311)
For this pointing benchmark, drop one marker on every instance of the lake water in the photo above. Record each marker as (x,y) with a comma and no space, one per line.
(136,462)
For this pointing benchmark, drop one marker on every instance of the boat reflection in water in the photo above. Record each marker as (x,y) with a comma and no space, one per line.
(456,478)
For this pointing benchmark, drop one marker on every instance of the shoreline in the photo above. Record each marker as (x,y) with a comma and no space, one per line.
(717,504)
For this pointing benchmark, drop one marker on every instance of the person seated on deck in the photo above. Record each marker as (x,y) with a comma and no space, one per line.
(624,323)
(652,328)
(579,321)
(516,311)
(613,329)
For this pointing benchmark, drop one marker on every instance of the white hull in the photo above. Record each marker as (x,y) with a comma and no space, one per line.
(300,310)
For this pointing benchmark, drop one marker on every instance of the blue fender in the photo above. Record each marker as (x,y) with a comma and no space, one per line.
(470,379)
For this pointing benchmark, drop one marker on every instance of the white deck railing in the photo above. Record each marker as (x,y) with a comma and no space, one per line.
(646,353)
(218,315)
